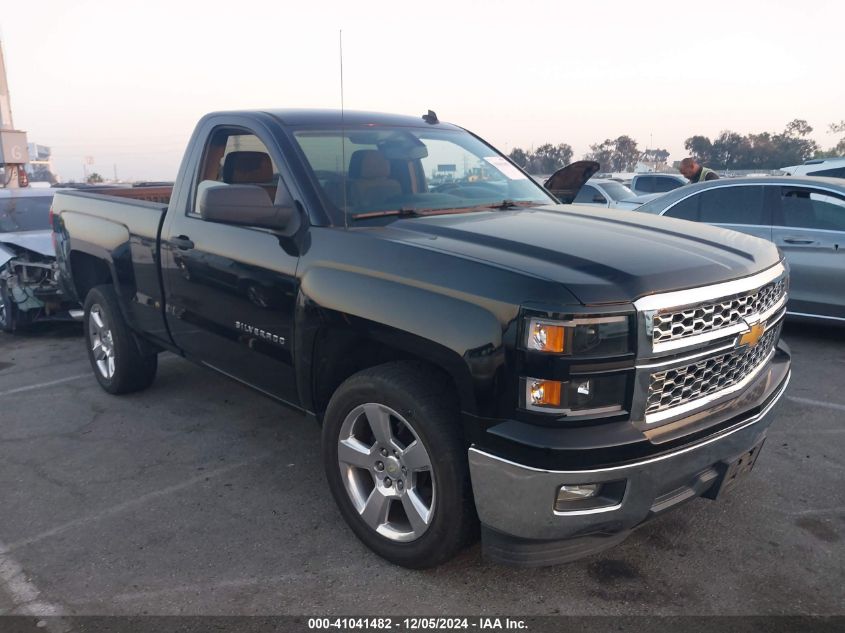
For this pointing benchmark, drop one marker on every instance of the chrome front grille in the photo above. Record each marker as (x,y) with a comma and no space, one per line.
(682,385)
(674,324)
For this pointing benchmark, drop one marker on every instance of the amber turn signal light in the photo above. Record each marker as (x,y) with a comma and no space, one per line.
(546,337)
(545,393)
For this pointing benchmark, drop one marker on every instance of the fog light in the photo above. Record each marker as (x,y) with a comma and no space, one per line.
(573,492)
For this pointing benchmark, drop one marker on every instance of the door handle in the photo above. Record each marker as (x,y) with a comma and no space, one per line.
(797,240)
(182,242)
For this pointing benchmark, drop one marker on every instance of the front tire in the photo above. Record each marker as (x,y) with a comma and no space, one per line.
(397,466)
(8,309)
(119,364)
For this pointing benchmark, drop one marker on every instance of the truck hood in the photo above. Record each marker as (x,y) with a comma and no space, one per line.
(40,242)
(600,255)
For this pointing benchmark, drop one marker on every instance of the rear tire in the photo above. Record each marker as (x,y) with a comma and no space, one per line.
(396,463)
(119,364)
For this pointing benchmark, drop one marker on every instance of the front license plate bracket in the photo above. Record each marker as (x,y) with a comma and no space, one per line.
(733,472)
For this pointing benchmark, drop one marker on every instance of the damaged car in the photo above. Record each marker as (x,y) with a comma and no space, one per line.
(29,290)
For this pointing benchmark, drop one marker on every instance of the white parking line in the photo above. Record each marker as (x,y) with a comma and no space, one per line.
(25,596)
(815,403)
(205,589)
(126,505)
(41,385)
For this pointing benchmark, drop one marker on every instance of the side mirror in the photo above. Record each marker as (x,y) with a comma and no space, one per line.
(599,198)
(249,205)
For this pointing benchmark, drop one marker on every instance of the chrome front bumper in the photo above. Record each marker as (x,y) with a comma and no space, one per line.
(516,502)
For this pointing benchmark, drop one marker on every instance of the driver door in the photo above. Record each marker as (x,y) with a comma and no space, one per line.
(231,289)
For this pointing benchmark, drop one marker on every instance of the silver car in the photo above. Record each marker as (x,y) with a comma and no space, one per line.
(804,216)
(28,285)
(577,184)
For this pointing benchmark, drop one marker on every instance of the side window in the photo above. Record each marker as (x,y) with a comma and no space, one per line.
(812,209)
(236,157)
(733,205)
(586,195)
(686,209)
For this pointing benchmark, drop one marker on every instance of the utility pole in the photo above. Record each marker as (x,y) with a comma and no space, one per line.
(14,152)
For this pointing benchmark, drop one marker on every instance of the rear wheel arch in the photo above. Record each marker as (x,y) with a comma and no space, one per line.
(87,272)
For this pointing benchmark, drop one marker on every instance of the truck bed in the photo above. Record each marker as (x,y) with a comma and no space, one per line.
(120,227)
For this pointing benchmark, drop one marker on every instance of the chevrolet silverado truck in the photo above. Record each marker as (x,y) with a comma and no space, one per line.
(477,355)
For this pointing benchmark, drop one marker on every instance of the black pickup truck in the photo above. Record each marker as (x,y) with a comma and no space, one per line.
(476,353)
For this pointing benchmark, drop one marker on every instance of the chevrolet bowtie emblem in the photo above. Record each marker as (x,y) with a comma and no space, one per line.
(753,335)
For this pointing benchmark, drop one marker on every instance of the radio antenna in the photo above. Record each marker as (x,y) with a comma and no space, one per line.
(343,167)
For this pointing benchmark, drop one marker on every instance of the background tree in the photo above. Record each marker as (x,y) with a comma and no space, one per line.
(700,148)
(731,151)
(655,156)
(546,159)
(619,154)
(765,150)
(94,178)
(793,146)
(797,128)
(602,153)
(839,148)
(519,156)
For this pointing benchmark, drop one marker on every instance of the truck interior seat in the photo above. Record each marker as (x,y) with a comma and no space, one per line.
(250,168)
(370,184)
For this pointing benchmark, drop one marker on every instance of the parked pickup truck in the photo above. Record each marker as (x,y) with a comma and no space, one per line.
(475,352)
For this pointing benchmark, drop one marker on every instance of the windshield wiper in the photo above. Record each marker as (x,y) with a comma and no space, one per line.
(506,204)
(401,212)
(404,212)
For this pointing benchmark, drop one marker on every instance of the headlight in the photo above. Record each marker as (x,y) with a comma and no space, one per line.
(594,336)
(590,395)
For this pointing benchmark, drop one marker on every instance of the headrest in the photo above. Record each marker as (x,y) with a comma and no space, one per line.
(247,168)
(369,164)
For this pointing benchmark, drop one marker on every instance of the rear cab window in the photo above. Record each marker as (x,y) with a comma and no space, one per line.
(663,184)
(644,184)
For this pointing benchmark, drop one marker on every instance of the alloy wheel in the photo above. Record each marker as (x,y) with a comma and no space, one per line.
(387,472)
(101,341)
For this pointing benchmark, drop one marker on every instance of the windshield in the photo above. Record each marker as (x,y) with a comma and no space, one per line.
(617,191)
(25,214)
(366,170)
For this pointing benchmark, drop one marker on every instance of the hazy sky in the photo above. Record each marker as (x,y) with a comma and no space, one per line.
(125,82)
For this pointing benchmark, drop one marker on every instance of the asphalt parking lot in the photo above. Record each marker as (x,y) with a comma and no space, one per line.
(200,496)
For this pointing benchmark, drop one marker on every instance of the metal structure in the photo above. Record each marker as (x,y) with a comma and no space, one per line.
(14,153)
